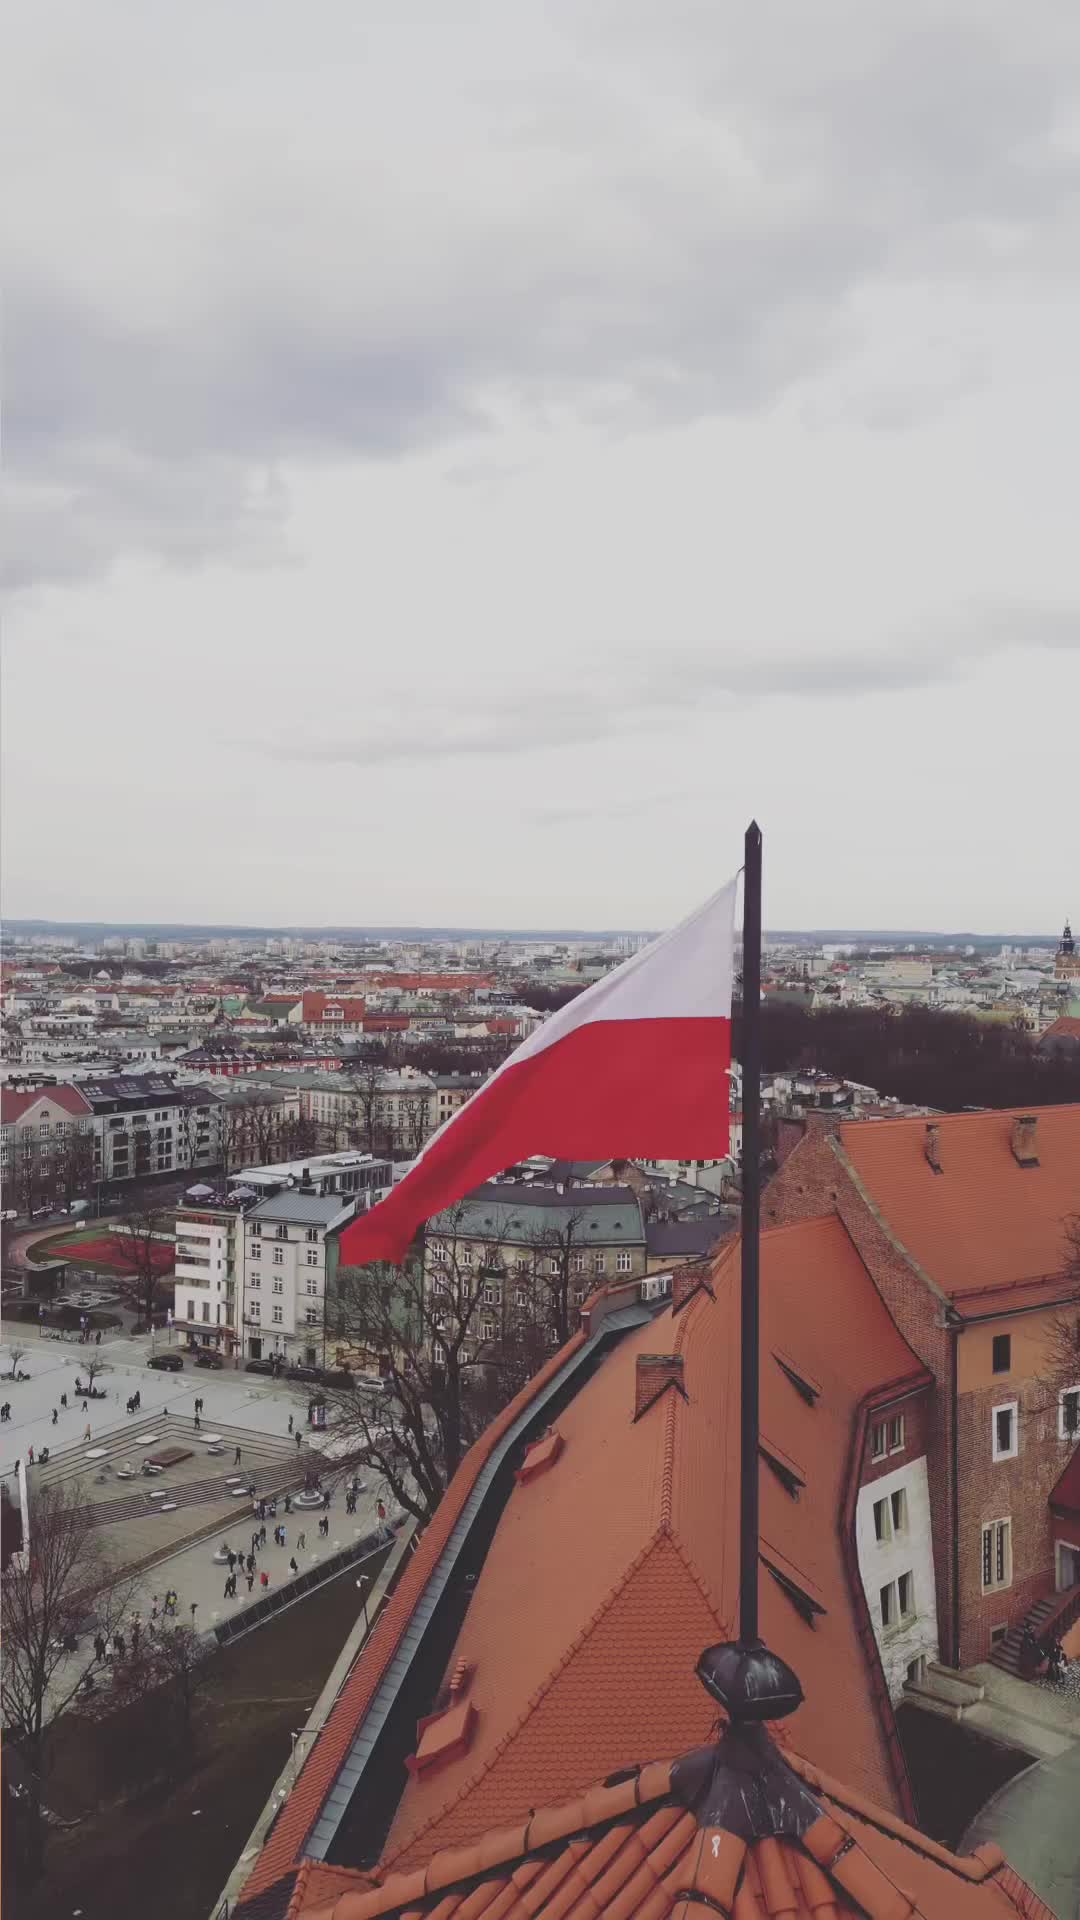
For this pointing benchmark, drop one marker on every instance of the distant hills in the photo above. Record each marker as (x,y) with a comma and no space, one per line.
(93,932)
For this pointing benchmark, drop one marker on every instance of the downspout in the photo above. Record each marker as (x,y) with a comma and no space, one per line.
(954,1490)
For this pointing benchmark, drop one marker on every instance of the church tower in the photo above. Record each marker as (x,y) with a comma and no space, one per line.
(1067,963)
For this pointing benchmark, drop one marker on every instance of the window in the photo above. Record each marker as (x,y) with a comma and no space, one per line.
(1005,1432)
(553,1266)
(278,1314)
(311,1316)
(279,1256)
(255,1280)
(879,1445)
(599,1263)
(623,1262)
(281,1233)
(279,1284)
(313,1256)
(890,1515)
(438,1353)
(191,1309)
(44,1129)
(997,1555)
(487,1329)
(312,1284)
(887,1603)
(905,1594)
(492,1296)
(521,1298)
(206,1309)
(577,1263)
(1002,1352)
(466,1256)
(1069,1413)
(438,1251)
(256,1251)
(312,1233)
(896,1433)
(255,1228)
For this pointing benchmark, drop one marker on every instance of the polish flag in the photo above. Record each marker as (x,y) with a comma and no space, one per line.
(634,1067)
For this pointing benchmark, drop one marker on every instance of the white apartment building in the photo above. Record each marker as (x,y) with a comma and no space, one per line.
(253,1265)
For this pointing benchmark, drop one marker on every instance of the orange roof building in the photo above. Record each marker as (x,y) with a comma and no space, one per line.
(613,1560)
(962,1221)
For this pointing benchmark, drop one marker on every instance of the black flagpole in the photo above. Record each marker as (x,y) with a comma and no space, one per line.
(751,1222)
(749,1681)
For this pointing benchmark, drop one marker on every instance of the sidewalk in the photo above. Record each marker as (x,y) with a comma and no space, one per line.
(1035,1820)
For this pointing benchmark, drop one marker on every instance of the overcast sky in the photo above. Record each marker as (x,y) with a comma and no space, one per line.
(463,461)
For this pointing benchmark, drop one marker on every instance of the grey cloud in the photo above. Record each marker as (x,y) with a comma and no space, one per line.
(639,696)
(638,251)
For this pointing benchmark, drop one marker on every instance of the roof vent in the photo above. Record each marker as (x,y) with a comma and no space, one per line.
(539,1456)
(688,1280)
(654,1374)
(933,1147)
(442,1736)
(1024,1145)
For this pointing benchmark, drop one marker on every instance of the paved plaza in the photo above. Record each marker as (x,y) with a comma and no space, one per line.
(249,1401)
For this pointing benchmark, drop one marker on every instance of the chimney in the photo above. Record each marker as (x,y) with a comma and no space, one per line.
(655,1373)
(933,1146)
(1024,1146)
(688,1280)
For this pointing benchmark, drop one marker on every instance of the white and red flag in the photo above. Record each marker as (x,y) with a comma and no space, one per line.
(634,1067)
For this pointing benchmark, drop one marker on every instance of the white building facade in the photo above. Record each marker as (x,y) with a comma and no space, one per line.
(896,1564)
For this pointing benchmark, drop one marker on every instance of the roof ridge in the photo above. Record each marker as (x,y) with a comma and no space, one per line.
(534,1699)
(982,1113)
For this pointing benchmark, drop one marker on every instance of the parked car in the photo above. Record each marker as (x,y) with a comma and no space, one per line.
(313,1375)
(167,1362)
(258,1366)
(209,1357)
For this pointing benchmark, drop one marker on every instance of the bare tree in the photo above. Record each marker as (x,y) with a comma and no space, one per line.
(26,1172)
(59,1588)
(416,1108)
(93,1365)
(557,1259)
(169,1667)
(75,1169)
(444,1347)
(147,1229)
(365,1086)
(1059,1375)
(15,1354)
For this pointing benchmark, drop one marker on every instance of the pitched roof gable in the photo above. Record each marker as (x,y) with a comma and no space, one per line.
(984,1216)
(638,1522)
(632,1848)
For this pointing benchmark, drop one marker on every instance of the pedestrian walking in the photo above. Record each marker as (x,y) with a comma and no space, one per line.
(63,1400)
(153,1610)
(254,1543)
(293,1568)
(290,1423)
(262,1534)
(264,1579)
(299,1441)
(236,1458)
(326,1502)
(55,1415)
(120,1644)
(86,1435)
(136,1631)
(198,1422)
(99,1646)
(232,1558)
(250,1580)
(324,1526)
(380,1508)
(84,1406)
(288,1503)
(301,1542)
(228,1587)
(194,1604)
(251,1563)
(29,1456)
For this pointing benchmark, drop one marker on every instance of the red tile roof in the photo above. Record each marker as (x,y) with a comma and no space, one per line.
(640,1520)
(1066,1027)
(635,1851)
(432,982)
(984,1218)
(285,1844)
(14,1105)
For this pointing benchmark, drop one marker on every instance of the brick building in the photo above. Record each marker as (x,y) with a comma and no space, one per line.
(961,1222)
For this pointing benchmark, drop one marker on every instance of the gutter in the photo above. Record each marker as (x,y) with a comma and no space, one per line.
(954,1490)
(877,1398)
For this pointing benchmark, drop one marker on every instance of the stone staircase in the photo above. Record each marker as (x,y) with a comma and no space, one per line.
(1047,1619)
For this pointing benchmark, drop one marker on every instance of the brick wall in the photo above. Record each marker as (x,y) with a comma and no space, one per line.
(917,1412)
(1005,1489)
